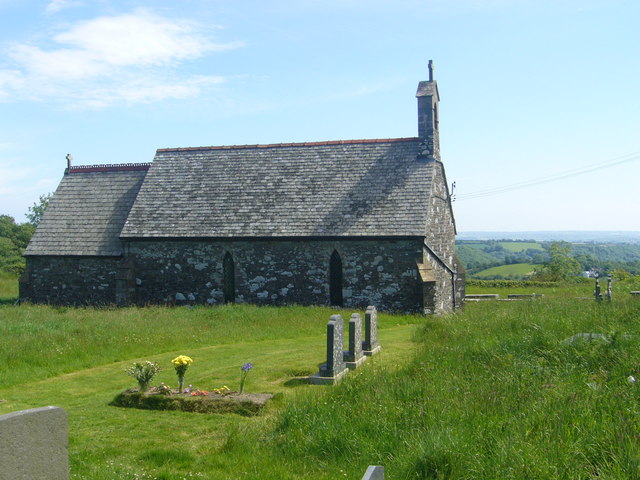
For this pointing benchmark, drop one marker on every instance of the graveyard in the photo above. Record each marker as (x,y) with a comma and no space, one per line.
(505,389)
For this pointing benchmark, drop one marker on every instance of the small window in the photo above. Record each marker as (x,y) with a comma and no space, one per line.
(335,279)
(228,279)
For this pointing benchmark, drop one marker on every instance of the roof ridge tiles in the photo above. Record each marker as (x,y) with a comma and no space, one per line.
(112,167)
(293,144)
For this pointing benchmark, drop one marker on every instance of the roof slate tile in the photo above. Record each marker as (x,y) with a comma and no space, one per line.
(343,188)
(86,214)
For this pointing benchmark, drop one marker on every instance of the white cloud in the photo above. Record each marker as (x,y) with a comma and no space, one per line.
(129,57)
(144,90)
(55,6)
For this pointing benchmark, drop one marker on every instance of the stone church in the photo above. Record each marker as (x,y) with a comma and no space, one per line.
(345,223)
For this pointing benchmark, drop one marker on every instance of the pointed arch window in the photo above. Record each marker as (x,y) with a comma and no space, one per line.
(228,279)
(335,279)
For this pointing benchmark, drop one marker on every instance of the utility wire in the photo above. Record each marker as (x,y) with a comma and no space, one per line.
(551,178)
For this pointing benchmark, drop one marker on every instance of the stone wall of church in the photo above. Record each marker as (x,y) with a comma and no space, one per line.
(449,291)
(69,280)
(265,272)
(278,272)
(440,234)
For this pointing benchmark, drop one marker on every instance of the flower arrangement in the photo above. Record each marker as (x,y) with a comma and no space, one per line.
(143,372)
(243,376)
(199,393)
(181,363)
(164,389)
(224,390)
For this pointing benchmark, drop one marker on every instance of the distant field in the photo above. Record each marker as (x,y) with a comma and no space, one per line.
(513,247)
(520,246)
(514,270)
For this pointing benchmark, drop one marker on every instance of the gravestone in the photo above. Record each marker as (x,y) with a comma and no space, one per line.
(34,445)
(354,357)
(374,472)
(334,369)
(370,346)
(596,293)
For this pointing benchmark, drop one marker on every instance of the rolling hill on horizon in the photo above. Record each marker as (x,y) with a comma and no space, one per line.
(587,236)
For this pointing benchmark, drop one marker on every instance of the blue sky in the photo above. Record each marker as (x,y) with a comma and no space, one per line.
(540,100)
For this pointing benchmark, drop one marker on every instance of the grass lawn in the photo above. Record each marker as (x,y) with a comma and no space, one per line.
(493,393)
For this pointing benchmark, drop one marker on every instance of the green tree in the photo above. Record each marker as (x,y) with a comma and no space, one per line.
(560,266)
(37,210)
(13,240)
(620,274)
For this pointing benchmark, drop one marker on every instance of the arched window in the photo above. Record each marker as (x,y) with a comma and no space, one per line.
(228,279)
(335,279)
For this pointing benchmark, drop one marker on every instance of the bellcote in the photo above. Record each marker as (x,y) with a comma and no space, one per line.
(428,99)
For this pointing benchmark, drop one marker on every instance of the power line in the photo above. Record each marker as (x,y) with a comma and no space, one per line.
(551,178)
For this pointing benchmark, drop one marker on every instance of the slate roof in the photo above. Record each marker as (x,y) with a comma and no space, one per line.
(328,189)
(87,212)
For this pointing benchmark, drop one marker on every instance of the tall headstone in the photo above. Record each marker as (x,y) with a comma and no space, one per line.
(34,445)
(354,357)
(609,289)
(597,293)
(334,368)
(370,346)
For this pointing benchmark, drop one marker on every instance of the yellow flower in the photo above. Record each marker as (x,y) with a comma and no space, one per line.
(182,360)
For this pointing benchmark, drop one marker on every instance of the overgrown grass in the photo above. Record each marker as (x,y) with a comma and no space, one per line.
(41,341)
(8,288)
(496,392)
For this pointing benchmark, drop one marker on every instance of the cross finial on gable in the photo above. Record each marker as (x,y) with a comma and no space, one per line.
(431,70)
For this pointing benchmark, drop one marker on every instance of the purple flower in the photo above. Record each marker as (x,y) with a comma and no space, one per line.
(247,366)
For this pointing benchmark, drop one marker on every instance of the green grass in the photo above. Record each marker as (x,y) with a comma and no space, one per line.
(8,288)
(514,270)
(71,339)
(115,443)
(581,288)
(494,393)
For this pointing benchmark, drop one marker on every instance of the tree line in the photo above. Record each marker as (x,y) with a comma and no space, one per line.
(14,237)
